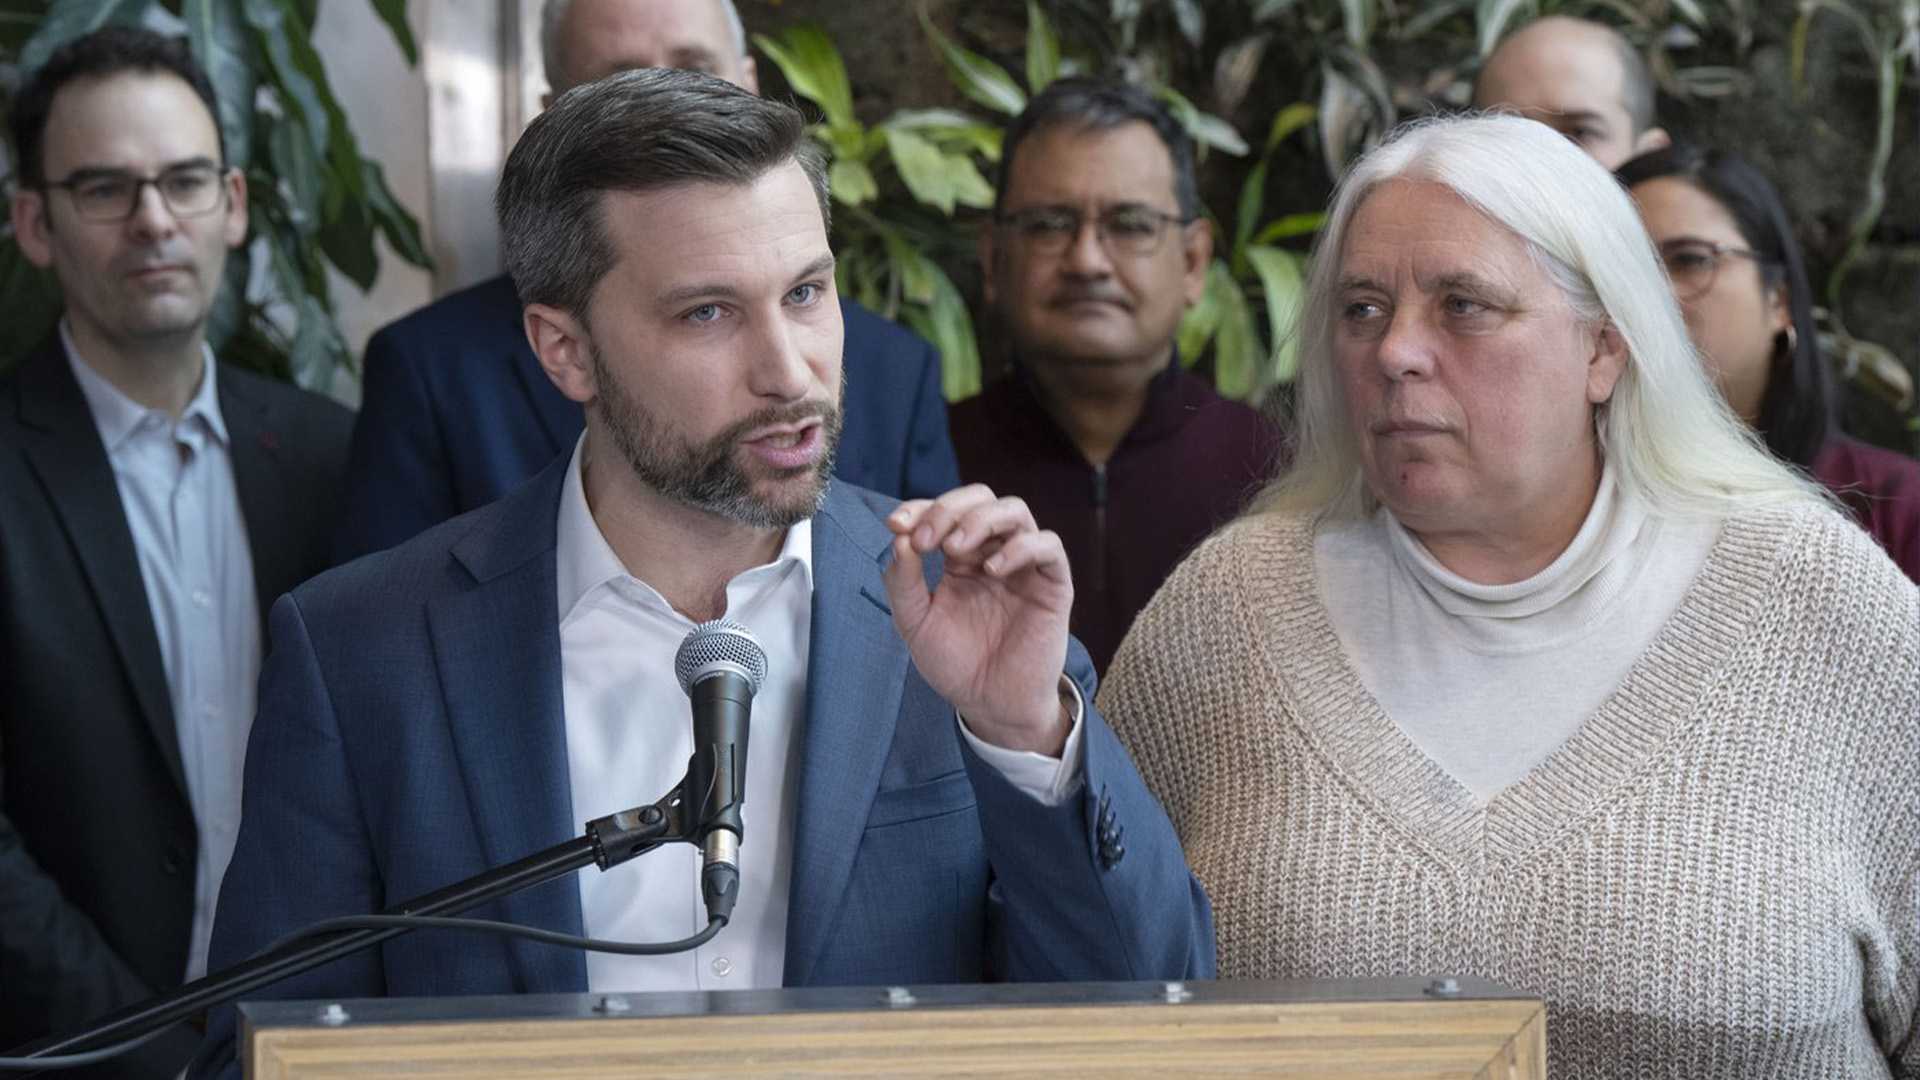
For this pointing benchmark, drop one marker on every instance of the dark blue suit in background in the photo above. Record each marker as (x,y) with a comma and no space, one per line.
(411,733)
(455,412)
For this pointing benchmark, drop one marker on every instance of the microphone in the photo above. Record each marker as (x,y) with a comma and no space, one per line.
(721,666)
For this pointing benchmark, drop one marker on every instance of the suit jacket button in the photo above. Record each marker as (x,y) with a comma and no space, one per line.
(175,861)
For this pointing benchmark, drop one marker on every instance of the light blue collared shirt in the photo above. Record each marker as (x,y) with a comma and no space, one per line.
(177,489)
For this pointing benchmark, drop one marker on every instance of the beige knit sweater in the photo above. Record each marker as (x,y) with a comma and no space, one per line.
(1716,877)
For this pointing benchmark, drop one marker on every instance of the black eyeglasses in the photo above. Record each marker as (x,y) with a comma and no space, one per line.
(1124,230)
(190,190)
(1692,264)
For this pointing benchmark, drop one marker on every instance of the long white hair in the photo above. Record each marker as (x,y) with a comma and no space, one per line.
(1668,435)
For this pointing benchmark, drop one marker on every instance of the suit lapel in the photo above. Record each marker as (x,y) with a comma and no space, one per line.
(73,470)
(273,540)
(855,674)
(497,646)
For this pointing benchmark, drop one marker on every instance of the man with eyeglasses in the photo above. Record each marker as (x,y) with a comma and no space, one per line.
(1097,248)
(152,502)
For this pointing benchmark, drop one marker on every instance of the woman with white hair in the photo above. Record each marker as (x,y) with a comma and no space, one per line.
(1536,666)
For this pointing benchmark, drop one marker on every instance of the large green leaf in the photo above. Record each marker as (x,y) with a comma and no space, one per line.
(394,14)
(398,226)
(348,243)
(922,167)
(812,66)
(301,174)
(1191,20)
(1202,320)
(1283,286)
(1238,355)
(980,79)
(1043,50)
(1290,226)
(852,182)
(218,34)
(1295,117)
(1205,128)
(299,96)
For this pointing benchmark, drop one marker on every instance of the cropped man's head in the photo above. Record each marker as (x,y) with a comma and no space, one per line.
(1580,78)
(1098,245)
(125,191)
(584,40)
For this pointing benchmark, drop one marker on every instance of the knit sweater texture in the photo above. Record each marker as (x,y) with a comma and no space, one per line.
(1715,877)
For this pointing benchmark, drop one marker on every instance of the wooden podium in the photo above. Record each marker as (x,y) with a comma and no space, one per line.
(1323,1028)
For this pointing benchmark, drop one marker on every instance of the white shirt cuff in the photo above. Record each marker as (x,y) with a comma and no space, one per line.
(1050,780)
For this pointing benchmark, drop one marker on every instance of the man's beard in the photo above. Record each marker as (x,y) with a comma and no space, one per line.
(709,476)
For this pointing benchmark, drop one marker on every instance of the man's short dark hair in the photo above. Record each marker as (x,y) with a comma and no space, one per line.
(633,131)
(1102,105)
(110,50)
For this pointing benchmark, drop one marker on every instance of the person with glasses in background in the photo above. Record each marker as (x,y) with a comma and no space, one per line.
(1724,237)
(152,501)
(1096,249)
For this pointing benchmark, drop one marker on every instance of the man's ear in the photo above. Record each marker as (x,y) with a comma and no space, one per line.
(562,345)
(236,231)
(989,252)
(1196,250)
(1607,364)
(749,76)
(1652,139)
(30,226)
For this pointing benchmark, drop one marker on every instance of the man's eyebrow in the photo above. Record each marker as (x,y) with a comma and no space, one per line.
(1356,283)
(819,267)
(104,172)
(718,291)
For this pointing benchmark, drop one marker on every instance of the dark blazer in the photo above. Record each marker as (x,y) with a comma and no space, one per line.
(411,734)
(97,841)
(455,412)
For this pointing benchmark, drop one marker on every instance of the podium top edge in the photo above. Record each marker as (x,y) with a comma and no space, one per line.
(611,1004)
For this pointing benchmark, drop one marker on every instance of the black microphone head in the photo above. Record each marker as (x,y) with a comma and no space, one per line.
(720,646)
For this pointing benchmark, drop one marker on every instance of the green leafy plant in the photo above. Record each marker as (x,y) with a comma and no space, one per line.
(896,188)
(315,201)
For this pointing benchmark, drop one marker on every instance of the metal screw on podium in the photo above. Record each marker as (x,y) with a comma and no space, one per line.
(612,1005)
(1175,992)
(331,1014)
(1444,988)
(900,997)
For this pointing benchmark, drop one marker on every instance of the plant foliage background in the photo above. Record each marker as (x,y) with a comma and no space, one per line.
(316,202)
(1283,93)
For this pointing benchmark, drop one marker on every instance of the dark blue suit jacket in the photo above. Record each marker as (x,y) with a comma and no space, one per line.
(455,412)
(411,734)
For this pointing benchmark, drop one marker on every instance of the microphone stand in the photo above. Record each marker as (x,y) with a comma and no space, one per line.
(607,842)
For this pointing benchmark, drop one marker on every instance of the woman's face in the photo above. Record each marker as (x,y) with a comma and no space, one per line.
(1733,316)
(1468,379)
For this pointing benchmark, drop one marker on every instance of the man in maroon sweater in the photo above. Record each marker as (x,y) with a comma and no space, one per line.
(1097,247)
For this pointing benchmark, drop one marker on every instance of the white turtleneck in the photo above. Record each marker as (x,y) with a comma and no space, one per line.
(1490,680)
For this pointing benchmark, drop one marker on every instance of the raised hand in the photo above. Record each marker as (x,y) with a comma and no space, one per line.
(992,638)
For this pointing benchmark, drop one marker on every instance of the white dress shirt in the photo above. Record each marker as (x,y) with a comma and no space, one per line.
(176,485)
(629,735)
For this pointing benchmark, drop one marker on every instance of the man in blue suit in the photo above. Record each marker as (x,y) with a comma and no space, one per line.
(929,797)
(455,411)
